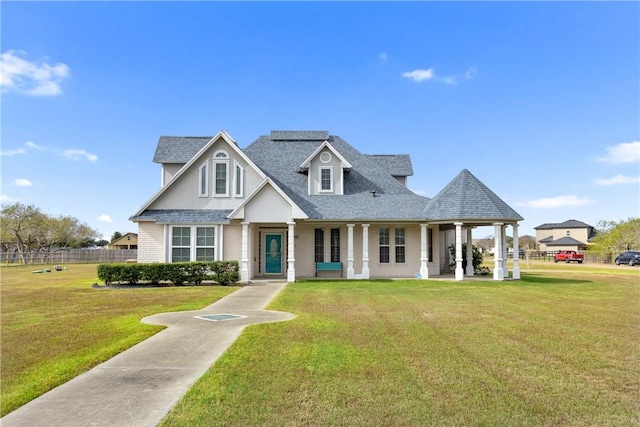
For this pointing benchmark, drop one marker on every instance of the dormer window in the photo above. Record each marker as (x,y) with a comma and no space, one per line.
(326,178)
(221,172)
(325,168)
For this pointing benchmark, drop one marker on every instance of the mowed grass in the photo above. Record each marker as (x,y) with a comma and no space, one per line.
(55,326)
(558,348)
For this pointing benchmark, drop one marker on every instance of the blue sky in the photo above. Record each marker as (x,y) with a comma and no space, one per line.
(540,101)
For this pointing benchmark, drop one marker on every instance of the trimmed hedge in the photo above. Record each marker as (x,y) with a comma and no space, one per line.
(178,273)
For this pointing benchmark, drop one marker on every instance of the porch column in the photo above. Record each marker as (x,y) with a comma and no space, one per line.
(498,272)
(351,274)
(516,253)
(244,260)
(469,253)
(505,252)
(424,251)
(459,271)
(291,258)
(365,251)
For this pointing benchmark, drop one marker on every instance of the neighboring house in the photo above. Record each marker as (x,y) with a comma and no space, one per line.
(128,241)
(298,204)
(569,235)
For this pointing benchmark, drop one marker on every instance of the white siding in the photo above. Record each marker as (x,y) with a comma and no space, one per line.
(150,242)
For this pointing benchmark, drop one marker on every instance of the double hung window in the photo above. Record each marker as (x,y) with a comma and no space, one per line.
(400,246)
(384,245)
(326,178)
(221,172)
(184,247)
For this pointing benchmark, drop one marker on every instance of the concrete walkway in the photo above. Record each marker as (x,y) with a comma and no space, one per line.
(140,386)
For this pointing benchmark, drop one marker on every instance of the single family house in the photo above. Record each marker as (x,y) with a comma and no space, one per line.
(568,235)
(300,204)
(128,241)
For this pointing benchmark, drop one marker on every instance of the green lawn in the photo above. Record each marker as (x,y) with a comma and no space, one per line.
(55,326)
(560,347)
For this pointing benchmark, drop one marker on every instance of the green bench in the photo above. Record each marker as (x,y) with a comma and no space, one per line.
(328,266)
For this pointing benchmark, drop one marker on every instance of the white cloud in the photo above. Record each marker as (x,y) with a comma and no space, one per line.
(8,199)
(625,152)
(419,75)
(79,154)
(383,57)
(429,74)
(12,152)
(618,179)
(20,75)
(556,202)
(22,182)
(33,145)
(105,218)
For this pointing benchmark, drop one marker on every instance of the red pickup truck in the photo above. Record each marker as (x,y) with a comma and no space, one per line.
(568,256)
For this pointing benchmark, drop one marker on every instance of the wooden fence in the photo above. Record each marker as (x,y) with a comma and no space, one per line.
(72,256)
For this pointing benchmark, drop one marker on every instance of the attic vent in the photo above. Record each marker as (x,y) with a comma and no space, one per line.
(299,135)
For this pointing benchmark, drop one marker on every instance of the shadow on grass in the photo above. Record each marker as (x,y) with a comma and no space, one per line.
(535,279)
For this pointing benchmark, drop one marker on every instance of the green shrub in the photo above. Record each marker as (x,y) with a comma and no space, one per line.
(178,273)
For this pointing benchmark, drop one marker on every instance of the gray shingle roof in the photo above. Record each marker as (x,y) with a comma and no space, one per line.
(395,164)
(370,190)
(179,149)
(184,216)
(570,223)
(565,241)
(299,135)
(280,159)
(466,198)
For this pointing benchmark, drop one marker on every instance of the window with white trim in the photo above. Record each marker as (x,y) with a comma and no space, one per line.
(205,244)
(180,244)
(400,246)
(203,175)
(239,181)
(326,178)
(221,171)
(383,240)
(184,248)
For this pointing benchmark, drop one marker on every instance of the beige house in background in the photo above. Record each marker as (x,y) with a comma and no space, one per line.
(128,241)
(569,235)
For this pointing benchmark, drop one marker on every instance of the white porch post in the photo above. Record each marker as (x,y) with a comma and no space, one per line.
(244,260)
(291,256)
(424,251)
(505,252)
(351,274)
(516,253)
(365,251)
(498,272)
(469,253)
(459,271)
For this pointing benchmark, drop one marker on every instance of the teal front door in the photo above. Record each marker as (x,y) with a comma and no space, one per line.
(273,253)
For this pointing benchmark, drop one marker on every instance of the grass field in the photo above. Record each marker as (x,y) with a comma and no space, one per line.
(558,348)
(55,326)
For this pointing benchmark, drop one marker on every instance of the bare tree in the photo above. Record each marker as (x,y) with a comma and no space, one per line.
(28,232)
